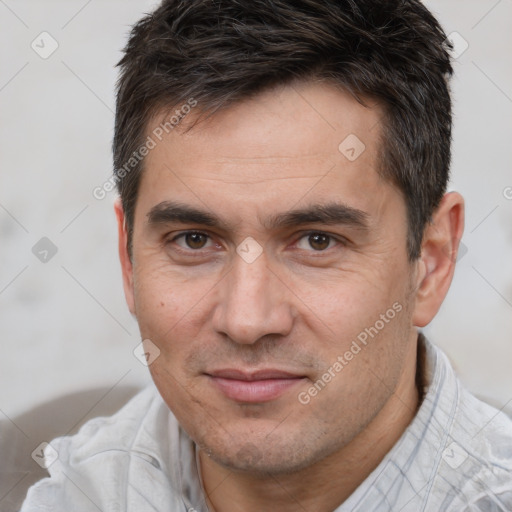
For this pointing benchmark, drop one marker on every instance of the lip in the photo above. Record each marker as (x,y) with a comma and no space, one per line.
(254,386)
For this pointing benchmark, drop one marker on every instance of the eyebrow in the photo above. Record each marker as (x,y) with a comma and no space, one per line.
(170,211)
(330,214)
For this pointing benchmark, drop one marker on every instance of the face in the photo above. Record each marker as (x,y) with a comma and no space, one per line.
(270,270)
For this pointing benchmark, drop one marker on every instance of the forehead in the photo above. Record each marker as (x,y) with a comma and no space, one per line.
(309,141)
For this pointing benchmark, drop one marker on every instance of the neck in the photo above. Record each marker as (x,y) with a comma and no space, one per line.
(326,484)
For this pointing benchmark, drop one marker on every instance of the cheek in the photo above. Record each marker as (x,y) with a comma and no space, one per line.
(347,304)
(161,287)
(168,306)
(362,369)
(171,311)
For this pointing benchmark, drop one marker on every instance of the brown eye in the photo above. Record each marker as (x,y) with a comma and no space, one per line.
(319,241)
(196,240)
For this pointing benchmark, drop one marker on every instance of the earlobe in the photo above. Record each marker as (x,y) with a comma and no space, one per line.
(124,256)
(438,255)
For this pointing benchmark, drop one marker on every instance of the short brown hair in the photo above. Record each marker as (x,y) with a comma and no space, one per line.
(219,52)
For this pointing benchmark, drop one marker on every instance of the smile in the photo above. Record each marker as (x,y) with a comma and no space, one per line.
(254,387)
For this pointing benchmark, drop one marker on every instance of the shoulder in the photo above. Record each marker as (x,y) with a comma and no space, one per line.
(118,431)
(484,430)
(475,469)
(97,465)
(464,445)
(481,453)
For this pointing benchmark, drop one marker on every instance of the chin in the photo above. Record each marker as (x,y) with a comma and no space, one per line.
(288,454)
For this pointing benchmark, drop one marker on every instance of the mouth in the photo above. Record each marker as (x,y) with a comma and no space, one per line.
(254,387)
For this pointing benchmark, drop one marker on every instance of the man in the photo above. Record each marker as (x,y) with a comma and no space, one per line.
(284,234)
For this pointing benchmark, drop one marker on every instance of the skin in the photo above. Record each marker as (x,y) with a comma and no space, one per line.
(296,308)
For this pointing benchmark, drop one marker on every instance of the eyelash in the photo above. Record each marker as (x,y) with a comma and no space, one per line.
(339,241)
(189,251)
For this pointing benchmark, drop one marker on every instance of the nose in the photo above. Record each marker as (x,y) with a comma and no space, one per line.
(253,302)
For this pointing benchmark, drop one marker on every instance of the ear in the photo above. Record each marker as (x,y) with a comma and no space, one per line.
(124,257)
(438,256)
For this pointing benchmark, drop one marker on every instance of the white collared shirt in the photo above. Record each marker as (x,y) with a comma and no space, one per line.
(455,456)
